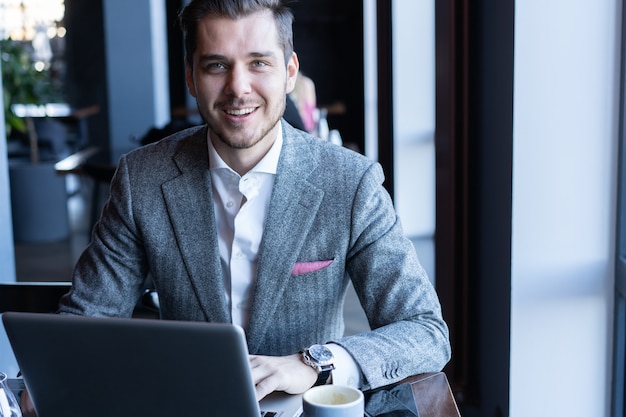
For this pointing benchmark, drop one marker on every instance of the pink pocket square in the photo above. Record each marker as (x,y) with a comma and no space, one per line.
(306,267)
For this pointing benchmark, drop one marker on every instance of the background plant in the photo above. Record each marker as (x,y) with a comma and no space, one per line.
(22,83)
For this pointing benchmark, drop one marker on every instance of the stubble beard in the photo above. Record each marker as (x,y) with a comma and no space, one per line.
(242,144)
(247,143)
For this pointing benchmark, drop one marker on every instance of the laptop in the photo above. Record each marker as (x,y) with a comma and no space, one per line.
(102,367)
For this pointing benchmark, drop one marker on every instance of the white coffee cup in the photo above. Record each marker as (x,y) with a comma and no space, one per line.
(333,401)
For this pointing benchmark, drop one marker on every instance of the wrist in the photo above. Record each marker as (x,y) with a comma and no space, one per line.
(321,360)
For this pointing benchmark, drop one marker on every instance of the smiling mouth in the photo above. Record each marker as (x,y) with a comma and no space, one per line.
(240,112)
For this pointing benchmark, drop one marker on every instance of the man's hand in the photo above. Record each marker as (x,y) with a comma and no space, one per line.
(27,405)
(281,373)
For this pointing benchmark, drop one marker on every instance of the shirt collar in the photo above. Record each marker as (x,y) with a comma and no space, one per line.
(268,165)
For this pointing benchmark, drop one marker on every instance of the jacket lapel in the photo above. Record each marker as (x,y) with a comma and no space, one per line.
(193,221)
(293,206)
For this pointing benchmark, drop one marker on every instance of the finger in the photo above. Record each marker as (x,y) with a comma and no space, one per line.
(262,371)
(258,368)
(286,373)
(265,387)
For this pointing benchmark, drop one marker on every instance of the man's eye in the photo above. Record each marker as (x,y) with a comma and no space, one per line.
(259,64)
(214,67)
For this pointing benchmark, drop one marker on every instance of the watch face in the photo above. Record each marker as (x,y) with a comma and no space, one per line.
(321,354)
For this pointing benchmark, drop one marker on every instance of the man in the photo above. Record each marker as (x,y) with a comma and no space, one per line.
(248,220)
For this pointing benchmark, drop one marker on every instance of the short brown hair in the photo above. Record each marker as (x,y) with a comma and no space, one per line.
(196,10)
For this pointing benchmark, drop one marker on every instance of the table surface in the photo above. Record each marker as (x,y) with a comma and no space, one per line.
(424,395)
(92,157)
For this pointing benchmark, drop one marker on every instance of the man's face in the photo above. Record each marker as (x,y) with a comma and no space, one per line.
(239,79)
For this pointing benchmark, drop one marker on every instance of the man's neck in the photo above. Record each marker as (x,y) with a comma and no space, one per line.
(243,160)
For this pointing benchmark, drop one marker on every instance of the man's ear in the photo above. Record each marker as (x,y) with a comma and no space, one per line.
(292,72)
(191,86)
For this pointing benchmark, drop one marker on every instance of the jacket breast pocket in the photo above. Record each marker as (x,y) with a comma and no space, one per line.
(301,268)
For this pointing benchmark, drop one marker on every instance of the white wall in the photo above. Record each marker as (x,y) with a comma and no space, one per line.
(137,68)
(413,107)
(414,114)
(564,198)
(371,78)
(7,258)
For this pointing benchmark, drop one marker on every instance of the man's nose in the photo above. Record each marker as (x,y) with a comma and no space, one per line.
(238,82)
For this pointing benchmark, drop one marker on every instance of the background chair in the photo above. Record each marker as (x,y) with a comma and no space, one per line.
(34,297)
(43,297)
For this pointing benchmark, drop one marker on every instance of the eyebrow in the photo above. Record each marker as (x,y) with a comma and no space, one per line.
(219,57)
(267,54)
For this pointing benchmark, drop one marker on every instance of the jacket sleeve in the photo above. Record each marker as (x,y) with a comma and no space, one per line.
(409,335)
(109,276)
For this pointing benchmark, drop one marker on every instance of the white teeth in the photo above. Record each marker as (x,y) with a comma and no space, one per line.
(239,112)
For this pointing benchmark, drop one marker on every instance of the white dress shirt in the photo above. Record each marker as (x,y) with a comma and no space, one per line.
(241,204)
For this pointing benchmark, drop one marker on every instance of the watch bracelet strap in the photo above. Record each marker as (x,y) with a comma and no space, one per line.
(322,377)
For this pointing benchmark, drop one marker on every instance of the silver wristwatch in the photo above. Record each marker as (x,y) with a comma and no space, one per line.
(320,358)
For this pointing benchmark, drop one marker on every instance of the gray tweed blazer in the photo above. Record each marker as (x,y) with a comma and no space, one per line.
(330,220)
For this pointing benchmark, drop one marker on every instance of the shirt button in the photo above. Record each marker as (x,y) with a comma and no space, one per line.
(229,204)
